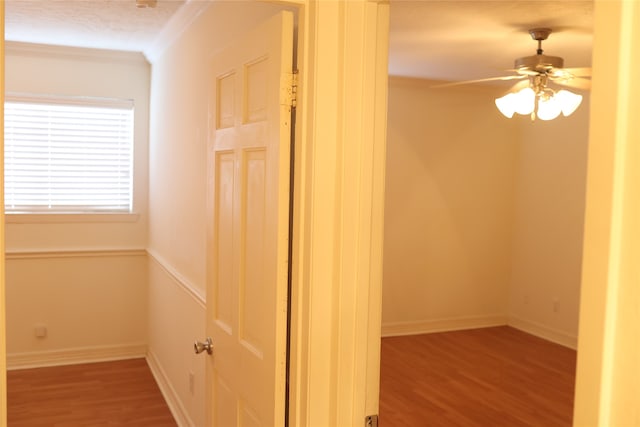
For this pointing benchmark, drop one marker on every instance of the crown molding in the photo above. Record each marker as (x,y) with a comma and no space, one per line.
(178,23)
(57,51)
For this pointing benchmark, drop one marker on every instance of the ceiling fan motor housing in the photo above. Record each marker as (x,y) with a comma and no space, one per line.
(538,63)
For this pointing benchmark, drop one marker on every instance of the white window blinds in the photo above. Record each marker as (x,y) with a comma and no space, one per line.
(68,155)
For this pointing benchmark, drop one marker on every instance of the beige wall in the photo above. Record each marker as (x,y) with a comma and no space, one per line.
(84,72)
(548,226)
(93,305)
(177,198)
(82,277)
(483,215)
(451,168)
(177,319)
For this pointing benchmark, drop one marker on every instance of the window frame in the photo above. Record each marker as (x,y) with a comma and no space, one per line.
(78,213)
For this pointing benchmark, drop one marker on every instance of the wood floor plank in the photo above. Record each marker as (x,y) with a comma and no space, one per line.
(484,377)
(119,393)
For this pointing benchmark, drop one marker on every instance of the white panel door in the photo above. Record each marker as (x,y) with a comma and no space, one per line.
(247,242)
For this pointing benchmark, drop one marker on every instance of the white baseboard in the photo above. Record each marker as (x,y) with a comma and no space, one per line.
(544,332)
(442,325)
(75,356)
(178,411)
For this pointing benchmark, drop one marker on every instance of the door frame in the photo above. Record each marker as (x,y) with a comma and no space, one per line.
(332,290)
(608,376)
(338,200)
(3,336)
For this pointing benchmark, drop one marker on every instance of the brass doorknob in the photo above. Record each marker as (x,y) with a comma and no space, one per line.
(199,347)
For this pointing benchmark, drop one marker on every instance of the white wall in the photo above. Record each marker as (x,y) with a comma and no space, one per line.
(83,277)
(177,232)
(84,72)
(177,319)
(451,168)
(484,215)
(93,304)
(548,228)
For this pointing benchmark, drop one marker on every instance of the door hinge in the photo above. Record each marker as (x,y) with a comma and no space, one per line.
(371,421)
(289,95)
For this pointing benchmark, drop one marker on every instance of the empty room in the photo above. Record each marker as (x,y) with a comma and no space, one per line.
(484,218)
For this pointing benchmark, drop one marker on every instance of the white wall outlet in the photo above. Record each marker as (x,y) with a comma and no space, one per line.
(40,331)
(192,382)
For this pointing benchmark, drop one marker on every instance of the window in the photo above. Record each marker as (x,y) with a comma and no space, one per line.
(68,155)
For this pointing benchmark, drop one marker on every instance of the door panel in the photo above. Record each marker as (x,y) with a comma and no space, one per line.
(223,218)
(247,242)
(252,330)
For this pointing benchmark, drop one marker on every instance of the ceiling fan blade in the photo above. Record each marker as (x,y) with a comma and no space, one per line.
(579,71)
(576,82)
(569,73)
(466,82)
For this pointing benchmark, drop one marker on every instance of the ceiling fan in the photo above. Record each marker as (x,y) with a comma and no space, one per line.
(540,65)
(541,68)
(533,96)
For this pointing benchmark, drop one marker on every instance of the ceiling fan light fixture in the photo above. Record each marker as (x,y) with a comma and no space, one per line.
(548,108)
(544,104)
(506,105)
(569,101)
(525,101)
(521,102)
(537,99)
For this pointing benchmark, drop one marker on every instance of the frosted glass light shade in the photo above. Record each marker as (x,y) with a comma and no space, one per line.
(521,102)
(525,101)
(549,108)
(569,101)
(506,105)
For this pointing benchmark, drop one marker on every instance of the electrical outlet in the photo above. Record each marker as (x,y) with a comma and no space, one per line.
(192,383)
(555,305)
(40,331)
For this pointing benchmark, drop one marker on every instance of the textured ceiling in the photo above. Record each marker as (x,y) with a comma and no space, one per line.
(436,39)
(103,24)
(461,40)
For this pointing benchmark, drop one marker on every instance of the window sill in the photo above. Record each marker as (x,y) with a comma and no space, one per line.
(60,218)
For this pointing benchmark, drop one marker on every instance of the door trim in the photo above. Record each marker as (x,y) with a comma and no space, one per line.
(338,212)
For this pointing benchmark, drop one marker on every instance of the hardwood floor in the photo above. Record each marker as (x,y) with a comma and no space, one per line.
(496,377)
(121,393)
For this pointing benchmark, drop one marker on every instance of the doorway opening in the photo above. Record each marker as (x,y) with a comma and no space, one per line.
(483,215)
